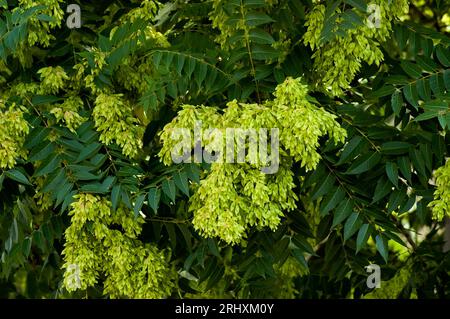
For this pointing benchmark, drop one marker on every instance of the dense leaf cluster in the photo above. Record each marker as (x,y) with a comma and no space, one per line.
(91,206)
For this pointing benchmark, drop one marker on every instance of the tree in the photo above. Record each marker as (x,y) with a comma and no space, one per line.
(92,203)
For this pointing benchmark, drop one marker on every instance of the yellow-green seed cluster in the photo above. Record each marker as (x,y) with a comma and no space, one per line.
(303,123)
(338,60)
(68,113)
(440,206)
(124,120)
(39,31)
(114,120)
(145,11)
(52,79)
(131,269)
(13,131)
(234,197)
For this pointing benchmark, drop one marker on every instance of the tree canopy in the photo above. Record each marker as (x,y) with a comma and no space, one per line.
(92,204)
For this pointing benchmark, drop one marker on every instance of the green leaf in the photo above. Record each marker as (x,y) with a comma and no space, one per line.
(47,232)
(73,145)
(363,235)
(25,213)
(447,79)
(401,36)
(260,52)
(351,149)
(327,31)
(115,196)
(157,56)
(382,247)
(437,84)
(138,205)
(384,91)
(323,187)
(172,234)
(154,195)
(119,54)
(408,204)
(301,243)
(12,38)
(443,55)
(427,47)
(172,90)
(254,3)
(331,201)
(413,70)
(168,187)
(26,247)
(45,17)
(397,102)
(352,225)
(62,192)
(411,95)
(359,4)
(383,188)
(18,176)
(53,181)
(84,175)
(426,116)
(40,153)
(200,73)
(180,63)
(260,36)
(215,277)
(104,44)
(395,199)
(404,165)
(95,188)
(126,198)
(298,255)
(438,145)
(263,71)
(14,231)
(255,19)
(164,12)
(88,151)
(184,230)
(68,200)
(392,173)
(26,14)
(190,67)
(212,247)
(424,89)
(349,20)
(427,156)
(36,136)
(441,106)
(108,183)
(395,148)
(48,167)
(396,238)
(427,64)
(44,99)
(364,163)
(344,209)
(181,181)
(38,240)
